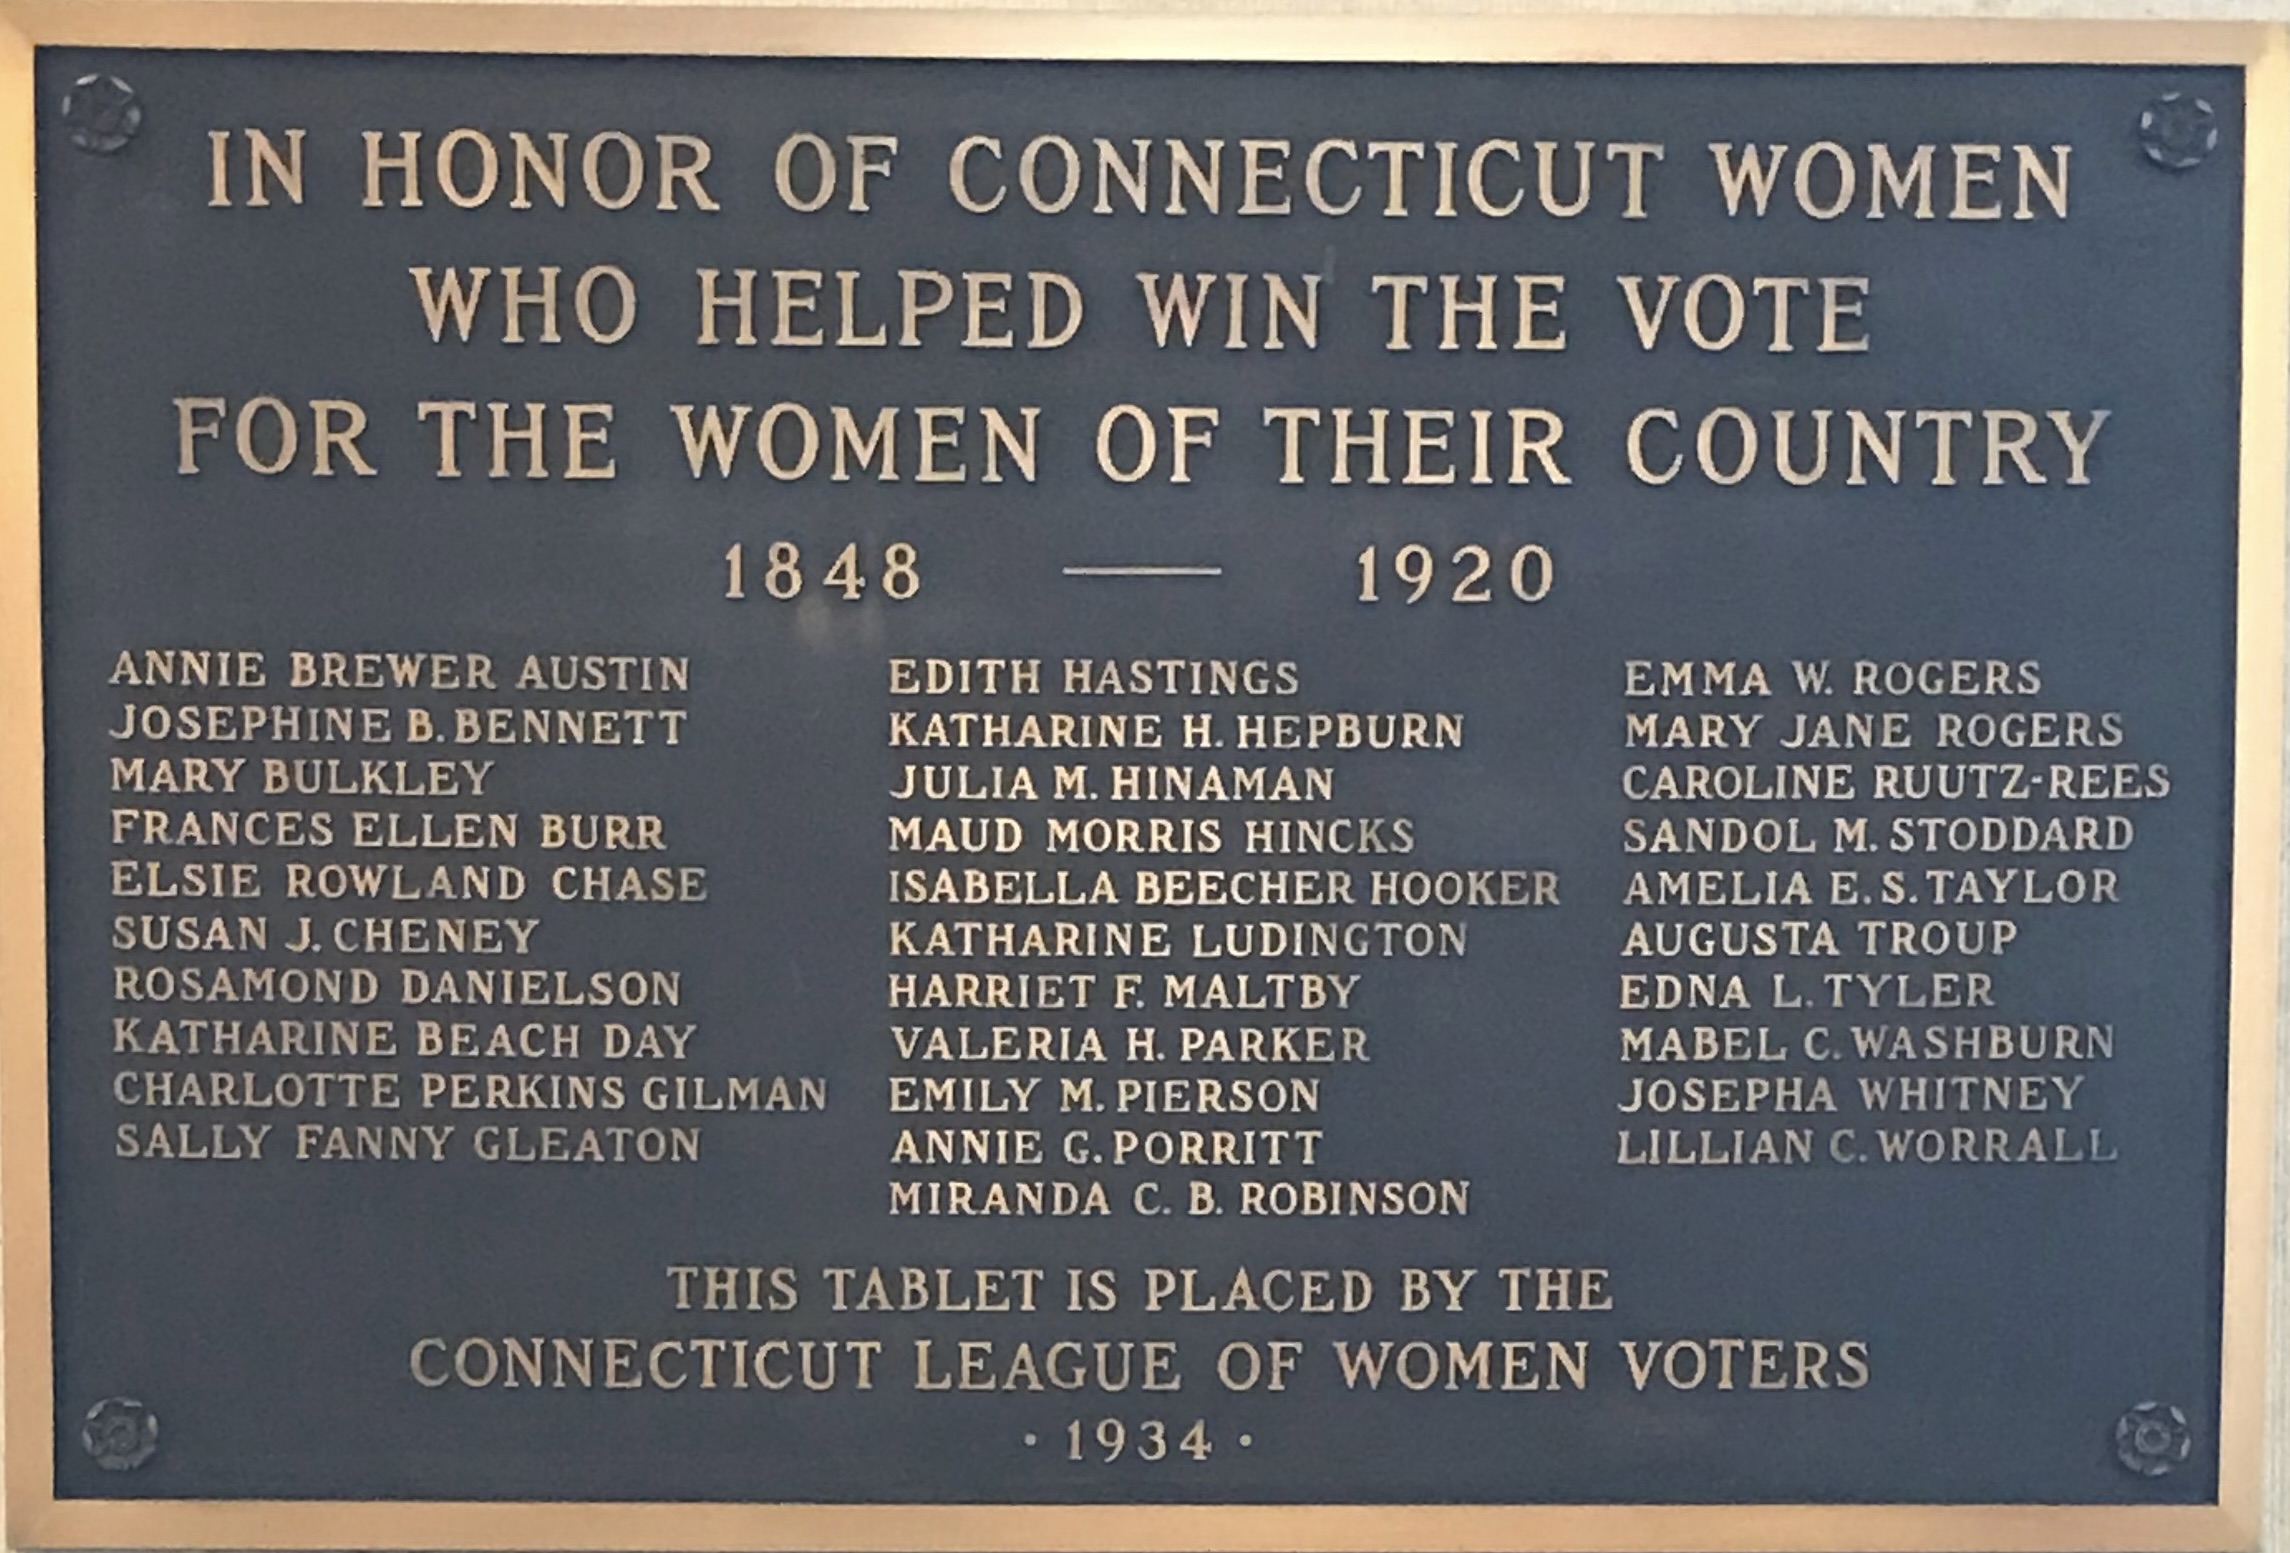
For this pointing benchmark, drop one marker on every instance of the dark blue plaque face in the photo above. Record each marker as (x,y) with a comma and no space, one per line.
(1071,783)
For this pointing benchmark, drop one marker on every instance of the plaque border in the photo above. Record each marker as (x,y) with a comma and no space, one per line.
(36,1518)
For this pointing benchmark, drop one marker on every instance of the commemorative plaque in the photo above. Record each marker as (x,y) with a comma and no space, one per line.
(809,782)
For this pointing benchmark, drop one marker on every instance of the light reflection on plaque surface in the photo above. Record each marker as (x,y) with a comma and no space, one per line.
(822,782)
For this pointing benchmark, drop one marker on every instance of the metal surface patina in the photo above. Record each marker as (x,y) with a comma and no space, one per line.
(807,782)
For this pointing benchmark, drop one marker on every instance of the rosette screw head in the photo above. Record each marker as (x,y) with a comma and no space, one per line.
(120,1433)
(2151,1439)
(2177,130)
(102,113)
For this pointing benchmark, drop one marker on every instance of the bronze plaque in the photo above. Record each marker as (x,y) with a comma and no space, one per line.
(796,780)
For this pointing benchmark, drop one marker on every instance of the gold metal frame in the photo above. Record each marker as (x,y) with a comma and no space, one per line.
(37,1519)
